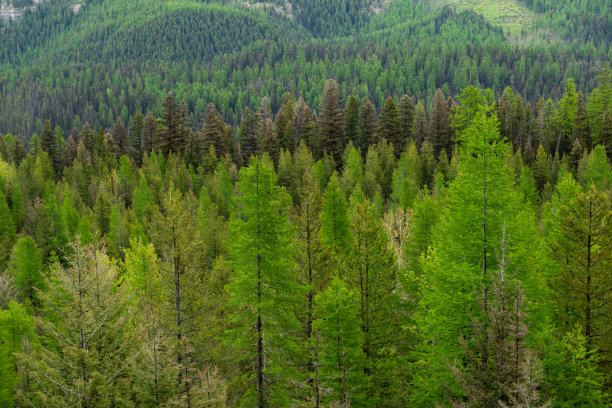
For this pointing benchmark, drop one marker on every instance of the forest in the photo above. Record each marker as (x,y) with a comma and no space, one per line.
(318,204)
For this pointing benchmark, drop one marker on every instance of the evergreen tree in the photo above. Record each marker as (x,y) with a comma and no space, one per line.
(120,136)
(249,135)
(566,117)
(541,170)
(213,131)
(389,126)
(172,135)
(137,125)
(149,133)
(600,100)
(419,125)
(48,143)
(263,293)
(367,126)
(331,122)
(351,120)
(605,132)
(439,124)
(405,110)
(340,361)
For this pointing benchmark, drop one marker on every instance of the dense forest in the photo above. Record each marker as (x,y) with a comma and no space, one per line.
(303,203)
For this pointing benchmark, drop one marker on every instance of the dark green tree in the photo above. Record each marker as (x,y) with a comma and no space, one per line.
(331,122)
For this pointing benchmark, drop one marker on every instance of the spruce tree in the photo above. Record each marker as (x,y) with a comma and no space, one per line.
(541,170)
(419,125)
(249,136)
(263,293)
(149,133)
(120,136)
(7,231)
(48,143)
(331,122)
(136,129)
(172,135)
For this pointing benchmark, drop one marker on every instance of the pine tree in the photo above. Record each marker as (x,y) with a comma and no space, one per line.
(367,126)
(213,131)
(389,126)
(149,133)
(338,340)
(263,294)
(439,124)
(83,364)
(419,125)
(26,267)
(600,100)
(304,124)
(283,124)
(331,122)
(582,287)
(351,120)
(335,226)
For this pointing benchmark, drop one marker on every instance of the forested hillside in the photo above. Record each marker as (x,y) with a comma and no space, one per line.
(319,204)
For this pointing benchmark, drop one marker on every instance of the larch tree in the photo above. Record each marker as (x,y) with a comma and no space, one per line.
(335,225)
(26,267)
(7,231)
(331,122)
(313,259)
(264,291)
(582,286)
(174,232)
(87,348)
(338,340)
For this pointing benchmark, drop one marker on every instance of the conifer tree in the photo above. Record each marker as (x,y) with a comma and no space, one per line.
(335,224)
(367,126)
(48,143)
(419,125)
(83,363)
(174,233)
(263,294)
(249,136)
(566,117)
(283,124)
(7,231)
(405,110)
(172,135)
(341,362)
(600,100)
(26,267)
(149,133)
(313,260)
(541,170)
(304,124)
(120,136)
(351,120)
(582,287)
(389,126)
(136,129)
(213,131)
(331,122)
(605,132)
(439,124)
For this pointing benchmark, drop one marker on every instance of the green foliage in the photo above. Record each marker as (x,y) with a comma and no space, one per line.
(26,267)
(335,224)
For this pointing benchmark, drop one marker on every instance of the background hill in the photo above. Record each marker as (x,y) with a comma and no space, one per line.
(108,58)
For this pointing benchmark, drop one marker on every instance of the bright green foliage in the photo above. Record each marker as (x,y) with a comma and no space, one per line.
(427,211)
(406,178)
(16,330)
(214,228)
(263,293)
(597,171)
(338,342)
(84,360)
(480,204)
(541,170)
(117,232)
(51,235)
(70,215)
(599,102)
(26,267)
(142,201)
(526,187)
(572,375)
(471,101)
(370,271)
(335,228)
